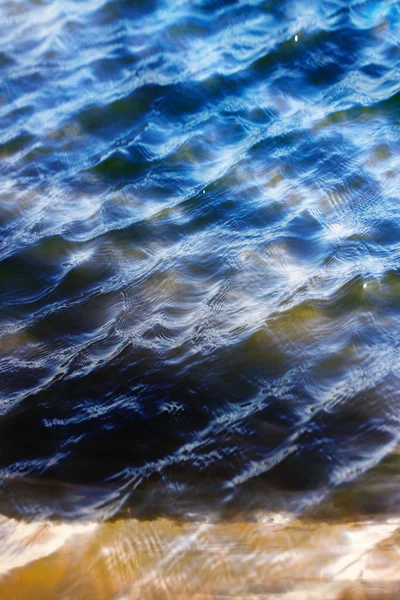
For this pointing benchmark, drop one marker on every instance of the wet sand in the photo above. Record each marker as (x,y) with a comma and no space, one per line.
(275,557)
(345,548)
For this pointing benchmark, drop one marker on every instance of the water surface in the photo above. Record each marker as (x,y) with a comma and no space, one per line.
(199,257)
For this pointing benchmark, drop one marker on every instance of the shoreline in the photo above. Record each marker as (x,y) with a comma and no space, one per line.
(128,558)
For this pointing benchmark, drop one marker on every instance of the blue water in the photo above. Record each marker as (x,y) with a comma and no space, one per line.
(199,253)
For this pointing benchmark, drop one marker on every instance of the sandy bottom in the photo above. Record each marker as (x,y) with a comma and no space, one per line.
(273,557)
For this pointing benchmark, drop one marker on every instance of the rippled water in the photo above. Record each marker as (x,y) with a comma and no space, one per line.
(199,255)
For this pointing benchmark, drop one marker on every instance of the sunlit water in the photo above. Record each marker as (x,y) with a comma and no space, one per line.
(199,262)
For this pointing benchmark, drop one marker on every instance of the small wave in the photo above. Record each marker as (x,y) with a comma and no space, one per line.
(199,263)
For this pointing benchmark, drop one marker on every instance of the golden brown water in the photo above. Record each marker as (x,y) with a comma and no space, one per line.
(275,557)
(347,550)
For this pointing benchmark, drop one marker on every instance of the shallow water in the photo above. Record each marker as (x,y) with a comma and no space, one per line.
(343,552)
(199,258)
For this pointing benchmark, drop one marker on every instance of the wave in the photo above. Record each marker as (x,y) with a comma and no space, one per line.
(199,261)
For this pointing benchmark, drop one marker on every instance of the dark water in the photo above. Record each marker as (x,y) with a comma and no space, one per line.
(199,253)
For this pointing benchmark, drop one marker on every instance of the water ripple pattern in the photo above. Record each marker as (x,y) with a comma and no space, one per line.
(199,253)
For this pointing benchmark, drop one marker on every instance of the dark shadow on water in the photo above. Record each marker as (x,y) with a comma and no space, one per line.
(126,440)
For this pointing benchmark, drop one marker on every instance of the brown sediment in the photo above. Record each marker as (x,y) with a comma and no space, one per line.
(346,548)
(274,557)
